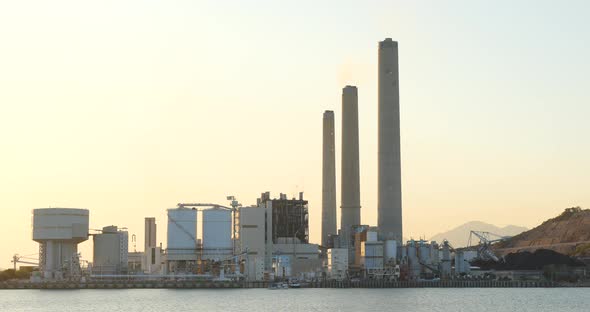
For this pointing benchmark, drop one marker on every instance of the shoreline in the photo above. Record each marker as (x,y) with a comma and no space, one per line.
(262,285)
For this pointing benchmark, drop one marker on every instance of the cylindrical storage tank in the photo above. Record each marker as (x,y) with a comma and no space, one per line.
(434,253)
(110,251)
(413,260)
(461,265)
(58,232)
(217,243)
(107,252)
(390,250)
(445,260)
(182,234)
(424,253)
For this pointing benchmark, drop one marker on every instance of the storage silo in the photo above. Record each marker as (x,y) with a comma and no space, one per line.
(424,256)
(390,251)
(182,234)
(58,232)
(110,251)
(461,264)
(424,252)
(434,253)
(217,243)
(413,261)
(445,263)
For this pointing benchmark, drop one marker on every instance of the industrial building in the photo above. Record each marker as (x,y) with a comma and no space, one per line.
(153,255)
(337,265)
(150,230)
(290,217)
(58,232)
(371,252)
(253,242)
(111,251)
(300,260)
(135,261)
(273,239)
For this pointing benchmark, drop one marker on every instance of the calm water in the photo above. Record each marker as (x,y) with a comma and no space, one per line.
(146,300)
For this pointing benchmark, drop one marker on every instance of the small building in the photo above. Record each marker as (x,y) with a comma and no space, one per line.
(337,268)
(153,259)
(253,242)
(134,262)
(303,259)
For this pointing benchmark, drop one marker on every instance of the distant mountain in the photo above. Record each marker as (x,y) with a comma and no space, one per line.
(568,233)
(459,236)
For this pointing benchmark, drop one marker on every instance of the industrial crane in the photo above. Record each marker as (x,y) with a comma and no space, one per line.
(486,239)
(18,259)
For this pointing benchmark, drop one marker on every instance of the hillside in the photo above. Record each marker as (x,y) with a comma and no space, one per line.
(568,233)
(459,236)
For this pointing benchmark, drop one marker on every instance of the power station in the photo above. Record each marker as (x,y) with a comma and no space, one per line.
(213,244)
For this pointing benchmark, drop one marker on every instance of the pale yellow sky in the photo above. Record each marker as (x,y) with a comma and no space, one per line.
(129,107)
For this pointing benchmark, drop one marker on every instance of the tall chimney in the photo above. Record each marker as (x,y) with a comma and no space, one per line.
(389,202)
(329,223)
(350,192)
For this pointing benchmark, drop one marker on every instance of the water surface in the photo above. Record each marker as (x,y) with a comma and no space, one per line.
(262,300)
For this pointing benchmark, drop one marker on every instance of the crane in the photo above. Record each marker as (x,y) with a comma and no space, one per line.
(18,259)
(486,239)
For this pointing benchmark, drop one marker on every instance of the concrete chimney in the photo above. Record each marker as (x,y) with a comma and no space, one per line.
(389,202)
(350,192)
(329,222)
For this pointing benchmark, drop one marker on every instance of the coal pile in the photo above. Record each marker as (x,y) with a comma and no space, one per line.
(529,261)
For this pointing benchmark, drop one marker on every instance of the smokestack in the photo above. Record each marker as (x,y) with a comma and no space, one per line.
(329,223)
(350,192)
(389,202)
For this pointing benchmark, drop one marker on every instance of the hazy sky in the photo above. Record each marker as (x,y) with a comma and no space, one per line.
(129,107)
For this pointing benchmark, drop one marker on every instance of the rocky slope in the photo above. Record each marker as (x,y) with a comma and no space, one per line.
(568,233)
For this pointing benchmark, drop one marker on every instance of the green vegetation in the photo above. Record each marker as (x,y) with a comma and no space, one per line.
(22,273)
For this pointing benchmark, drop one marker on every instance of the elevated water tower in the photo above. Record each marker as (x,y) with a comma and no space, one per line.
(58,232)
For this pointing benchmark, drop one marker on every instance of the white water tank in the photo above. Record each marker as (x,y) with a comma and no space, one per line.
(182,234)
(58,232)
(217,243)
